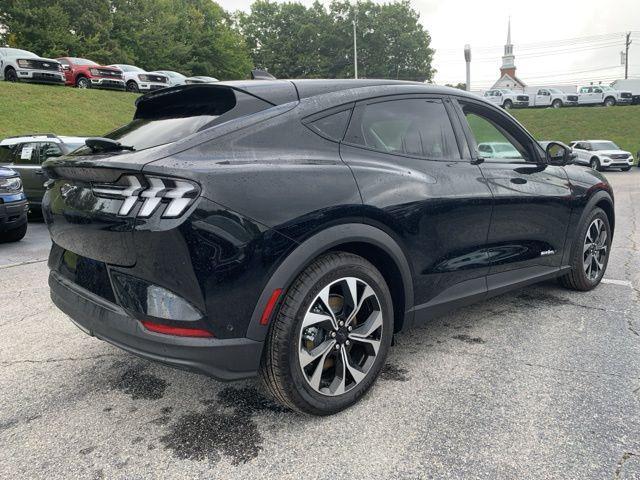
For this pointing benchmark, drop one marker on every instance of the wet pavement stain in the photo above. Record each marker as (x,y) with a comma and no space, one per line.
(468,339)
(86,451)
(215,432)
(394,373)
(139,385)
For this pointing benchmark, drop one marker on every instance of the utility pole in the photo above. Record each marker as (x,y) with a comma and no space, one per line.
(355,45)
(467,59)
(627,43)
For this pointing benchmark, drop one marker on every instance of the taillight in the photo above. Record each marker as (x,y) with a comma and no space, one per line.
(176,194)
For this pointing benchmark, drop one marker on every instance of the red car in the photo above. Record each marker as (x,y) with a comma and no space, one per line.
(83,73)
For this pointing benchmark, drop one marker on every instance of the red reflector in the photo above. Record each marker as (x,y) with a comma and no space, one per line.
(176,331)
(266,314)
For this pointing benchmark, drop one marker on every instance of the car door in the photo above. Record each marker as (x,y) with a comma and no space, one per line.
(543,98)
(582,151)
(532,200)
(27,163)
(417,181)
(597,95)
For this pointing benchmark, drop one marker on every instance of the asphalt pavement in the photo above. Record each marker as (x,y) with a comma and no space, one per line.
(538,383)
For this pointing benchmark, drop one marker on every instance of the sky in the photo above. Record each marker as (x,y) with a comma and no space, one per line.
(555,41)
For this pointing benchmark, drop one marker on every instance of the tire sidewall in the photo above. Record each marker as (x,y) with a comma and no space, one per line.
(557,104)
(582,232)
(83,83)
(323,403)
(508,105)
(132,87)
(11,75)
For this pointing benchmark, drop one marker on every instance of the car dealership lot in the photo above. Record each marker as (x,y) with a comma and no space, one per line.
(539,383)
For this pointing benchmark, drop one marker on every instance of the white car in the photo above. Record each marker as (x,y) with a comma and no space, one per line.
(506,98)
(603,95)
(552,97)
(139,80)
(629,85)
(175,78)
(498,150)
(23,66)
(601,154)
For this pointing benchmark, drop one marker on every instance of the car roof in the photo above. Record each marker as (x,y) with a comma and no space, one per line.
(284,91)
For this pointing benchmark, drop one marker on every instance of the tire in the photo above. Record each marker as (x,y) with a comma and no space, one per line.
(132,87)
(14,235)
(595,164)
(507,105)
(609,102)
(557,103)
(626,169)
(292,336)
(83,82)
(10,75)
(578,278)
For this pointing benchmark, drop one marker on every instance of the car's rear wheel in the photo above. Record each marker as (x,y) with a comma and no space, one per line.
(595,164)
(10,75)
(590,256)
(83,82)
(331,336)
(14,235)
(132,87)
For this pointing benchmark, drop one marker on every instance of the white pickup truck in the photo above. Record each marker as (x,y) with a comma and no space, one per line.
(603,95)
(506,98)
(552,97)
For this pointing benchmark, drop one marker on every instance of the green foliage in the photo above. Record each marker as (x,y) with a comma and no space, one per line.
(291,40)
(195,37)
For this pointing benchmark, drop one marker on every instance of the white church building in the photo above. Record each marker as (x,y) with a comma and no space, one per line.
(508,78)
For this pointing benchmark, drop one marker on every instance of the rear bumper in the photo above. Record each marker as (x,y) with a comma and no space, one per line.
(229,359)
(13,215)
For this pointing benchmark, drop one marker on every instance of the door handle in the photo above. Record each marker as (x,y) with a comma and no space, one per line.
(519,181)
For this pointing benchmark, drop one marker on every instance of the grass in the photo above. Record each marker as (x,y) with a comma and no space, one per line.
(29,108)
(68,111)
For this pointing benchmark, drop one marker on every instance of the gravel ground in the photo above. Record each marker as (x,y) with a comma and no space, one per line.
(538,383)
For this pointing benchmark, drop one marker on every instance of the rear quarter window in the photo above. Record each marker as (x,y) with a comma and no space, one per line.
(332,126)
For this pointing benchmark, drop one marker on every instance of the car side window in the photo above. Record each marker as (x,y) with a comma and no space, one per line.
(27,154)
(6,153)
(493,142)
(332,126)
(597,90)
(417,127)
(49,150)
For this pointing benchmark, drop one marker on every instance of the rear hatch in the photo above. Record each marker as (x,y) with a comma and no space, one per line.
(86,207)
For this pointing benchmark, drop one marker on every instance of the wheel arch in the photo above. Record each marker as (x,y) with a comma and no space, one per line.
(600,199)
(369,242)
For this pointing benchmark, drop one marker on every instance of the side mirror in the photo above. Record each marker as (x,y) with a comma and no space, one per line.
(559,154)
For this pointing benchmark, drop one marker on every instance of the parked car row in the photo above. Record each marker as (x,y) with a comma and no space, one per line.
(555,98)
(21,65)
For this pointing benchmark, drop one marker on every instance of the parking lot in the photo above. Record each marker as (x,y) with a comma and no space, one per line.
(538,383)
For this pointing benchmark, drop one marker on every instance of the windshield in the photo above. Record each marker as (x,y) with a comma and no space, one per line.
(17,51)
(554,90)
(505,90)
(604,146)
(128,68)
(82,61)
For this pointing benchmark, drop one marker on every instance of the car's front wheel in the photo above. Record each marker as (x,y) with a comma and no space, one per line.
(14,235)
(626,169)
(331,336)
(10,75)
(132,87)
(609,102)
(590,256)
(595,164)
(557,103)
(508,105)
(83,82)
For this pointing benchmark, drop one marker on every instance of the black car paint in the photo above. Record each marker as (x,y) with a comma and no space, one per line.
(275,194)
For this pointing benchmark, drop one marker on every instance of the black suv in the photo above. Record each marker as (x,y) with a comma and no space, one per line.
(290,228)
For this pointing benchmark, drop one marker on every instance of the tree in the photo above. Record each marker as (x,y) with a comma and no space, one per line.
(191,36)
(291,40)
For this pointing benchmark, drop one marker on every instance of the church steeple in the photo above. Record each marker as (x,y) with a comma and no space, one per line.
(508,59)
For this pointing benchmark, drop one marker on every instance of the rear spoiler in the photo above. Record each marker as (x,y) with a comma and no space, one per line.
(257,74)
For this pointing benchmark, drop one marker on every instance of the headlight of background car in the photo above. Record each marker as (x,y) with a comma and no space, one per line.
(10,184)
(94,71)
(25,63)
(143,78)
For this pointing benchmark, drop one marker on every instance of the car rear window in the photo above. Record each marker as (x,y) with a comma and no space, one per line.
(166,117)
